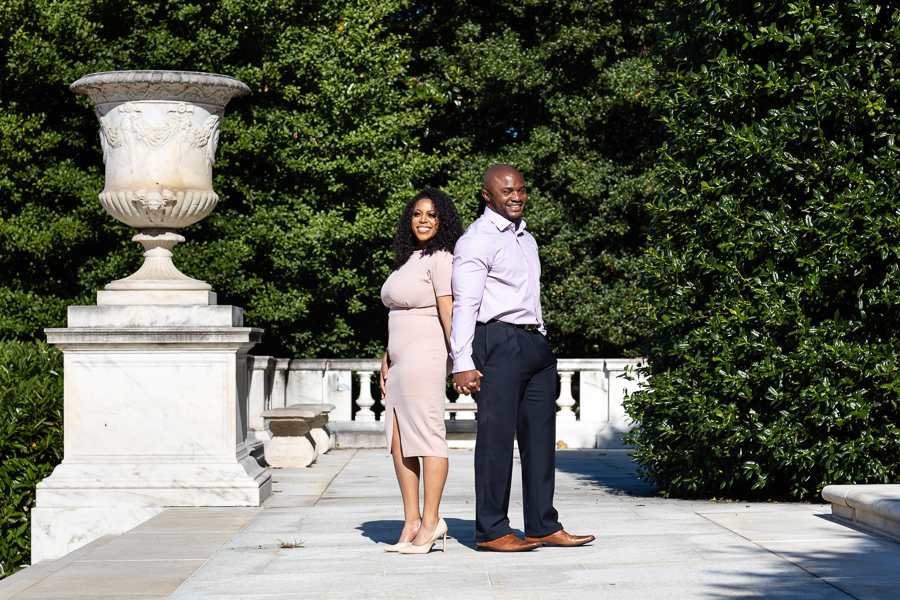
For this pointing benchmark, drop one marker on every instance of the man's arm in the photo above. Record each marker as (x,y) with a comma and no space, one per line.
(470,270)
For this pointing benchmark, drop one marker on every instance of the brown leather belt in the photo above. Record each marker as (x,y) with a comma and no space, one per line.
(528,327)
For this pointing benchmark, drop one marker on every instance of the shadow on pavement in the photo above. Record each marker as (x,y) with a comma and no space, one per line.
(387,532)
(611,470)
(382,532)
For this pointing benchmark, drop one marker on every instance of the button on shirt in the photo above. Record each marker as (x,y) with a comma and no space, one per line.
(496,276)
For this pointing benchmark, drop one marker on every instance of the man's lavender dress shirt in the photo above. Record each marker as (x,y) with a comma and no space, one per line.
(496,276)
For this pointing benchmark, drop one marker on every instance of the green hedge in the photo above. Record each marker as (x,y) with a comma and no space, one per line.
(31,439)
(353,106)
(558,89)
(774,251)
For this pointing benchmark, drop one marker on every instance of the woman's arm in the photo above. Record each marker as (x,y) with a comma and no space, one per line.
(383,375)
(445,310)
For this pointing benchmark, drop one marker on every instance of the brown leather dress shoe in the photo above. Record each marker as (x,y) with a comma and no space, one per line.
(508,543)
(561,538)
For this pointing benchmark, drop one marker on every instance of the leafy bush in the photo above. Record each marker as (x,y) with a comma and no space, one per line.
(309,167)
(558,89)
(353,105)
(774,303)
(31,439)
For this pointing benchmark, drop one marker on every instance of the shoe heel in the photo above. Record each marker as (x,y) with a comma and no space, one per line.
(445,543)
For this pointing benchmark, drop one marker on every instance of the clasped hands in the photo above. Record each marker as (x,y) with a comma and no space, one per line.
(466,382)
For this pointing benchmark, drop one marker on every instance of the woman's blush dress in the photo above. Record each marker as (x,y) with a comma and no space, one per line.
(420,358)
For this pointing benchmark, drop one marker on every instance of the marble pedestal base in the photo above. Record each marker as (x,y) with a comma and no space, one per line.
(155,416)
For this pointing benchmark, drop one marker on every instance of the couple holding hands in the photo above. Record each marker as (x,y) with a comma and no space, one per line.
(475,295)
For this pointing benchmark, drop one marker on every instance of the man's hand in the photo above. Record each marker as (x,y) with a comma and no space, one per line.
(466,382)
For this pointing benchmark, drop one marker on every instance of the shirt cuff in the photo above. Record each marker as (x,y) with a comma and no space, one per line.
(463,363)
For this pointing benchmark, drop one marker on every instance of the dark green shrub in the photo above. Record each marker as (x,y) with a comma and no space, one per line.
(311,165)
(353,106)
(773,252)
(31,439)
(558,89)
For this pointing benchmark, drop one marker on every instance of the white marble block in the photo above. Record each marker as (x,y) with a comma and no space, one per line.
(338,391)
(279,383)
(57,531)
(155,416)
(305,382)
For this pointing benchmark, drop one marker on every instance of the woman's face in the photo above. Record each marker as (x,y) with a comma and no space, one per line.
(424,222)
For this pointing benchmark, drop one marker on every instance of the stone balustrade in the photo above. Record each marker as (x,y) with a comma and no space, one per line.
(590,412)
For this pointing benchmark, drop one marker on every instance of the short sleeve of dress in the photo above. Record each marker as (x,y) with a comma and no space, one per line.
(441,270)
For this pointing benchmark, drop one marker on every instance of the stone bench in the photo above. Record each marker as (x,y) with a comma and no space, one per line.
(876,506)
(299,434)
(323,437)
(291,445)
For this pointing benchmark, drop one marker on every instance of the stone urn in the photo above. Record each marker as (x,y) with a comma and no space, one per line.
(159,131)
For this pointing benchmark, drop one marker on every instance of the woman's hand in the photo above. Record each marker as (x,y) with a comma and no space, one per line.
(383,375)
(467,382)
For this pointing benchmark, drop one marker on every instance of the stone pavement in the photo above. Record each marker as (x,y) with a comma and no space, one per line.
(344,508)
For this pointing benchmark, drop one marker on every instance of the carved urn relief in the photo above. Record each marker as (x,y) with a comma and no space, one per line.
(159,131)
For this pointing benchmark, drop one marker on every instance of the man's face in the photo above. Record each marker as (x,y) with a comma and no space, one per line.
(504,192)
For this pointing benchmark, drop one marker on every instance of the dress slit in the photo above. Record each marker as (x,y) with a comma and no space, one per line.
(395,422)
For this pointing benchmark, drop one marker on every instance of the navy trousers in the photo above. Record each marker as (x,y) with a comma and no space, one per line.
(517,401)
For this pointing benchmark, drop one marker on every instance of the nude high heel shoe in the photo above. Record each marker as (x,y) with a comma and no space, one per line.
(400,545)
(440,530)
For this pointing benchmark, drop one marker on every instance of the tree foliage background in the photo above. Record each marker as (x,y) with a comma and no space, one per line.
(354,106)
(774,250)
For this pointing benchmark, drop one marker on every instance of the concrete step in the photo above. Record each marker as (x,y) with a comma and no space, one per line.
(24,579)
(147,563)
(874,506)
(152,560)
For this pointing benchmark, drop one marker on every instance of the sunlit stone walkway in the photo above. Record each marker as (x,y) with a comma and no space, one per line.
(344,508)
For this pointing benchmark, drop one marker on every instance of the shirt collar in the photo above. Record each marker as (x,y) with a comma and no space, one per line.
(502,223)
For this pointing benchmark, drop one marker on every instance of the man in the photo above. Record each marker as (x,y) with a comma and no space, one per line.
(499,351)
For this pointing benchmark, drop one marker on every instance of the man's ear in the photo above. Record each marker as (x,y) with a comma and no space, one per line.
(486,195)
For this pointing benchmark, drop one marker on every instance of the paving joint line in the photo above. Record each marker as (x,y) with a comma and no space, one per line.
(801,567)
(335,476)
(261,508)
(210,557)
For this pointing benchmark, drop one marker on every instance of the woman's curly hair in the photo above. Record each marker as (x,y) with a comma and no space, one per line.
(449,227)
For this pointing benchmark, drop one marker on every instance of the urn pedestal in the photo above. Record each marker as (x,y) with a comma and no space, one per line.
(156,374)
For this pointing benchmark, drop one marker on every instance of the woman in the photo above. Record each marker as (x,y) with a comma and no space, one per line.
(414,369)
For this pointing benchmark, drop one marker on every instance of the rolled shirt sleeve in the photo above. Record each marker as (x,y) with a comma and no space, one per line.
(470,271)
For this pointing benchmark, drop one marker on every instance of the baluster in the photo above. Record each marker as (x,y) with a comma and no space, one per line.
(565,402)
(365,401)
